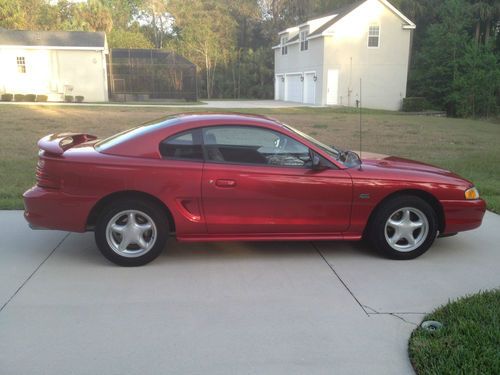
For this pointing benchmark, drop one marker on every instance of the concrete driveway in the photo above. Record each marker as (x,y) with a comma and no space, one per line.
(232,308)
(207,104)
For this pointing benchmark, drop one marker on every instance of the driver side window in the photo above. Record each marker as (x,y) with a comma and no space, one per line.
(252,145)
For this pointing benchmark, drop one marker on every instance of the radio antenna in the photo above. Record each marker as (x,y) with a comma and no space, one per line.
(360,120)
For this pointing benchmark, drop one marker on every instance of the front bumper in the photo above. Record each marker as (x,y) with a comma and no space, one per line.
(54,209)
(462,215)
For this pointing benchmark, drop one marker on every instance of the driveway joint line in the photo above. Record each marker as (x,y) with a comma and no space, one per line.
(340,279)
(394,314)
(34,271)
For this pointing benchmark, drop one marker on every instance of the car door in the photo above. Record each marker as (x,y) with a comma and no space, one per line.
(256,180)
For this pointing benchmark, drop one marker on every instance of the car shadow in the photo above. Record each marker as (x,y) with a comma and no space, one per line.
(82,248)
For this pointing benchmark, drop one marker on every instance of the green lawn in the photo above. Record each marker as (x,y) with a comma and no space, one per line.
(468,343)
(468,147)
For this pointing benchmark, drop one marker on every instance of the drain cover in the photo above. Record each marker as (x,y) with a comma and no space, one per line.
(431,325)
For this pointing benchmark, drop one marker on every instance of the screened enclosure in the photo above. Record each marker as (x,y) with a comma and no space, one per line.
(148,74)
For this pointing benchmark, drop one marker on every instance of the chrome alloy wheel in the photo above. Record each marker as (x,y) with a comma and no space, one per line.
(131,233)
(406,229)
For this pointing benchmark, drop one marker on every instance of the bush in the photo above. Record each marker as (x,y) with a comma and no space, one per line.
(30,97)
(19,98)
(79,98)
(7,97)
(413,104)
(68,98)
(41,98)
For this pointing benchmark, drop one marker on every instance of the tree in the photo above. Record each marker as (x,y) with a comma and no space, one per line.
(204,32)
(156,20)
(477,79)
(486,14)
(119,38)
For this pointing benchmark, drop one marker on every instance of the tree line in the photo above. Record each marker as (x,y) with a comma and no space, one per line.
(455,55)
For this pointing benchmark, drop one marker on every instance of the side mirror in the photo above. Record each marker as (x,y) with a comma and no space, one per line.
(317,163)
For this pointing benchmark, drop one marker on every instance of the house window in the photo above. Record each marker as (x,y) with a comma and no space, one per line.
(284,47)
(21,64)
(373,36)
(304,43)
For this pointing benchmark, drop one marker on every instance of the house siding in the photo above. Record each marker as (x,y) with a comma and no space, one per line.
(383,70)
(297,61)
(53,71)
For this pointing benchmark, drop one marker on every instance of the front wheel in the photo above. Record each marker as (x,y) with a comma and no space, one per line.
(404,227)
(131,233)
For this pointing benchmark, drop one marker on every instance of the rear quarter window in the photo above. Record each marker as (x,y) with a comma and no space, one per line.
(184,146)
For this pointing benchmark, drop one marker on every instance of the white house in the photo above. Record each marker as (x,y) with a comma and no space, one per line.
(54,63)
(323,60)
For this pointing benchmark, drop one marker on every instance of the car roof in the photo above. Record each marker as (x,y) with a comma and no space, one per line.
(220,117)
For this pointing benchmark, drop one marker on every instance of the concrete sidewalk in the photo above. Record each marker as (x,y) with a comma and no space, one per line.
(224,308)
(205,104)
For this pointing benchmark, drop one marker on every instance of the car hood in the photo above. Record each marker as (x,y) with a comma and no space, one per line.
(402,164)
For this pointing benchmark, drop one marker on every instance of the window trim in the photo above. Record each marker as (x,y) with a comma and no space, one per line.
(284,47)
(303,39)
(378,36)
(21,64)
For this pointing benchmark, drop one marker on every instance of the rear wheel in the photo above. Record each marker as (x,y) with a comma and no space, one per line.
(131,233)
(404,227)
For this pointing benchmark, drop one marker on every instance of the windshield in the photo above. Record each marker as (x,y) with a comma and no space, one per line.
(334,152)
(348,158)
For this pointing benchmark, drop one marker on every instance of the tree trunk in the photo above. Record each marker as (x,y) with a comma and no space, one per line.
(207,70)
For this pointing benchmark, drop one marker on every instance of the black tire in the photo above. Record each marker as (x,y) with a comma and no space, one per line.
(381,231)
(144,213)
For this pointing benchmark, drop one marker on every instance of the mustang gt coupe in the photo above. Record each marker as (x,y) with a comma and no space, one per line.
(231,177)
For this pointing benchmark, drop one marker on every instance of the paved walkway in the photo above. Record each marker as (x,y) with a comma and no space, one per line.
(206,104)
(224,308)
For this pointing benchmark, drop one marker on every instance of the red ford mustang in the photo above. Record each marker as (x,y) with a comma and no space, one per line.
(227,177)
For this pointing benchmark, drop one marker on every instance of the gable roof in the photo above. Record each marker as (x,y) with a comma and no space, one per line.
(64,39)
(340,13)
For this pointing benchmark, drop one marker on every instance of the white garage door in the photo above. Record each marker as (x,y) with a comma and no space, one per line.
(309,88)
(293,88)
(279,87)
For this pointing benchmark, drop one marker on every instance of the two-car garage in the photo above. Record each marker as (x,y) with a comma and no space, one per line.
(296,87)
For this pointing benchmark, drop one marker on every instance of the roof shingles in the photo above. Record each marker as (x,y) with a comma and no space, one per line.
(77,39)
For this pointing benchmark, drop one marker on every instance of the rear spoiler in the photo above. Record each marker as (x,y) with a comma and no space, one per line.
(58,143)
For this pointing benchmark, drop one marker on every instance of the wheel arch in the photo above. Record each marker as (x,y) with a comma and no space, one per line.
(426,196)
(127,194)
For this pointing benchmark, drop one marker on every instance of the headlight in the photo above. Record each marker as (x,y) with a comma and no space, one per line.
(471,193)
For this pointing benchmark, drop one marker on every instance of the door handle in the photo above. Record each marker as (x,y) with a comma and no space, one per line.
(225,183)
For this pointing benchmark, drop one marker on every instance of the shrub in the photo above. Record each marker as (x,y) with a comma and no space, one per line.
(19,98)
(30,97)
(413,104)
(7,97)
(68,98)
(79,98)
(41,98)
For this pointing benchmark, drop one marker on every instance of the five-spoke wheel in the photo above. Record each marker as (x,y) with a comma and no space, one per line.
(403,227)
(131,233)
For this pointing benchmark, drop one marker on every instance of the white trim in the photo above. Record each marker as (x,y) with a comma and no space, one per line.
(368,37)
(52,47)
(395,10)
(289,30)
(304,87)
(319,36)
(410,24)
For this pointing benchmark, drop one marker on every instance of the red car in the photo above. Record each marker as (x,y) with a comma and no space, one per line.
(228,177)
